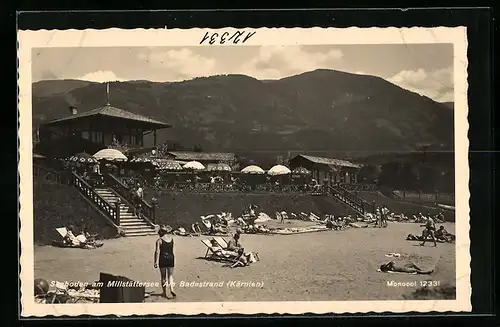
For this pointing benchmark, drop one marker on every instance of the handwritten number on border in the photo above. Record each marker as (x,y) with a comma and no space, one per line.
(236,37)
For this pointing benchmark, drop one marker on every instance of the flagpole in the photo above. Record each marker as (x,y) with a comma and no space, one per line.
(107,93)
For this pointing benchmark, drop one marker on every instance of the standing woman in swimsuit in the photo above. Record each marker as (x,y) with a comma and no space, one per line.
(164,259)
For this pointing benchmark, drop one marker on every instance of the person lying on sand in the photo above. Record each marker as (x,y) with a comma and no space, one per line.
(180,232)
(256,229)
(213,229)
(245,259)
(409,268)
(413,237)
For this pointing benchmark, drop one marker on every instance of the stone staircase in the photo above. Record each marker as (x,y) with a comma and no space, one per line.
(129,222)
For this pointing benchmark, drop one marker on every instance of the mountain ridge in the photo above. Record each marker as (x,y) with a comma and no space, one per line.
(323,111)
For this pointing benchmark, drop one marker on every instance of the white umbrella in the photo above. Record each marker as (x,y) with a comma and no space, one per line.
(253,169)
(279,170)
(195,165)
(110,154)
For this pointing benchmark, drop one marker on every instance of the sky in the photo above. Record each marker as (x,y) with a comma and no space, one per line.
(426,69)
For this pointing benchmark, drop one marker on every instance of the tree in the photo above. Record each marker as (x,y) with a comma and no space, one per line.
(198,148)
(369,174)
(122,147)
(162,149)
(280,160)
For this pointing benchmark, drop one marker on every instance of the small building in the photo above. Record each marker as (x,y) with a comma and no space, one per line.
(102,127)
(333,170)
(205,158)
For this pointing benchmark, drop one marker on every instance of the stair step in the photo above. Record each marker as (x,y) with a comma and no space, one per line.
(129,216)
(138,229)
(139,234)
(131,220)
(133,223)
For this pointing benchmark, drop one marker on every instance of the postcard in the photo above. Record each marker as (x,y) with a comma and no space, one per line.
(243,171)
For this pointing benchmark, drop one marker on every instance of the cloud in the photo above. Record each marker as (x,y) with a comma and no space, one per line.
(101,76)
(437,84)
(278,61)
(179,64)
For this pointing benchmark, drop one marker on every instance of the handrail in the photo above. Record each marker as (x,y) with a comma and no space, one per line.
(348,198)
(125,192)
(361,200)
(359,187)
(92,195)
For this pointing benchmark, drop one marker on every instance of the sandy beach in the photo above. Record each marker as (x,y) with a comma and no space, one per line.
(322,266)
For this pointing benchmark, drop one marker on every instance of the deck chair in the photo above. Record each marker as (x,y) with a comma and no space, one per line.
(62,243)
(211,255)
(221,241)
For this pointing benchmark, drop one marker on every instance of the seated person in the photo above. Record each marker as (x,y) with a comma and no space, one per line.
(218,250)
(439,217)
(330,222)
(442,235)
(83,240)
(70,237)
(234,243)
(409,268)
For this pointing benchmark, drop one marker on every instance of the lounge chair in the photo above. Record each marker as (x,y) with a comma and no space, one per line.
(83,242)
(211,255)
(221,241)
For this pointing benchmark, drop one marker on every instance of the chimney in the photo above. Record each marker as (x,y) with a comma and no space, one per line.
(73,110)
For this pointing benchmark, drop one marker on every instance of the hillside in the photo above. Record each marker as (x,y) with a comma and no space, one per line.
(322,111)
(59,206)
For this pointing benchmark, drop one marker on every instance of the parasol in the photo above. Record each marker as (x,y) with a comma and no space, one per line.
(194,165)
(253,169)
(279,170)
(110,154)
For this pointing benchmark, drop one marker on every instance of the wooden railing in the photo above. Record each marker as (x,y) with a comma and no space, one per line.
(350,199)
(359,187)
(60,177)
(111,210)
(147,210)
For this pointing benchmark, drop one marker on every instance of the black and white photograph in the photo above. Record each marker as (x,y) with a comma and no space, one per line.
(272,175)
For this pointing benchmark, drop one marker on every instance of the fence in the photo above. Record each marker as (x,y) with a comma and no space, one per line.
(437,197)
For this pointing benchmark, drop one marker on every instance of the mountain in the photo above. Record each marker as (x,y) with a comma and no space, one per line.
(324,112)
